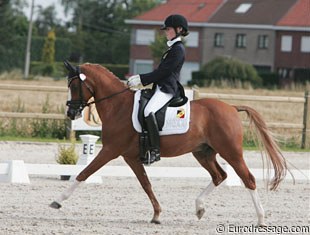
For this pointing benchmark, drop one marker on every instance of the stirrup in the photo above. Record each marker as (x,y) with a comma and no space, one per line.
(151,156)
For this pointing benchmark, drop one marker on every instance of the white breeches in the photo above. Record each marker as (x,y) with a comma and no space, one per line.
(158,100)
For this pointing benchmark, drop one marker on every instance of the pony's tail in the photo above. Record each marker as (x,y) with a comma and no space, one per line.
(267,145)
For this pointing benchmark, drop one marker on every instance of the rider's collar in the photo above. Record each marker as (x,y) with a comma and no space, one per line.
(170,43)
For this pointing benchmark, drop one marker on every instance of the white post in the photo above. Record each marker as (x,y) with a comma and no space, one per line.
(17,172)
(28,48)
(88,154)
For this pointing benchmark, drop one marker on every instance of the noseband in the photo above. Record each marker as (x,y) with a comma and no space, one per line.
(80,104)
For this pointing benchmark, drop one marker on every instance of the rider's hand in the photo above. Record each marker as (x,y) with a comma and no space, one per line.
(134,80)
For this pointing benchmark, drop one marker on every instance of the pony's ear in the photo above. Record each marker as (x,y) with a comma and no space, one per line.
(69,67)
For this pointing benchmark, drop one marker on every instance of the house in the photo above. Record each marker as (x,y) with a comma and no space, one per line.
(254,31)
(292,52)
(244,29)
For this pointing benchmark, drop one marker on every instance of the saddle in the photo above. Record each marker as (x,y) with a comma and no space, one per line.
(175,103)
(146,95)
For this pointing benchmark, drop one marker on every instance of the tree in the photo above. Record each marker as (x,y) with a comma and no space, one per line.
(48,54)
(46,20)
(101,34)
(158,47)
(13,27)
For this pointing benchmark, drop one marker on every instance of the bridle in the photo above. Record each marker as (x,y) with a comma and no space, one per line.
(80,104)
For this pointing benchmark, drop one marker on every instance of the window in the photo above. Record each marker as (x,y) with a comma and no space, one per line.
(219,40)
(142,66)
(243,8)
(263,41)
(192,39)
(286,43)
(305,44)
(145,36)
(241,41)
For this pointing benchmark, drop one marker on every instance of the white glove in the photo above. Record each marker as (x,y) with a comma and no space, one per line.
(134,80)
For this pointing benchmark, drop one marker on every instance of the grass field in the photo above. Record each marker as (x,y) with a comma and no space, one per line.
(54,102)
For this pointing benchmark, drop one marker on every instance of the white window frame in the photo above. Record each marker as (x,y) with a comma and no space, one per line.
(286,43)
(263,41)
(241,40)
(192,40)
(218,40)
(145,36)
(305,44)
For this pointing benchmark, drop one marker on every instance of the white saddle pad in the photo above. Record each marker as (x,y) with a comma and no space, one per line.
(176,118)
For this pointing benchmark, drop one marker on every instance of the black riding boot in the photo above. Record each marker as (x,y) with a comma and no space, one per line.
(153,132)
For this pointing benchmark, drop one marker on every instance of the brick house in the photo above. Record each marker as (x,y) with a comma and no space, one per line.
(292,52)
(248,30)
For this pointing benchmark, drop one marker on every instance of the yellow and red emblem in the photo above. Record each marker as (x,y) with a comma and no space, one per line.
(181,113)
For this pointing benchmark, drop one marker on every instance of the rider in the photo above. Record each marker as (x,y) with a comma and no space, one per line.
(165,79)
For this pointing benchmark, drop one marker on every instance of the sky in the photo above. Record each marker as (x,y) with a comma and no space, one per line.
(44,4)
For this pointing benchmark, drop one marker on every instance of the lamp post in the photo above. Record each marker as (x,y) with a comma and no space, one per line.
(28,48)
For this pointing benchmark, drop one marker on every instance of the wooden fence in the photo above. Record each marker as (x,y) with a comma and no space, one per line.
(304,127)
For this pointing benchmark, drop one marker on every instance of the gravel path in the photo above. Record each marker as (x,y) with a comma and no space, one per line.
(120,206)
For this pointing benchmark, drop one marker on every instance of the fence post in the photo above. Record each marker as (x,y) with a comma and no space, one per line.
(70,134)
(195,92)
(306,123)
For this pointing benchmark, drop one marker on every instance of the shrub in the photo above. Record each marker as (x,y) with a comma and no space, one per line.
(67,155)
(231,70)
(48,128)
(270,80)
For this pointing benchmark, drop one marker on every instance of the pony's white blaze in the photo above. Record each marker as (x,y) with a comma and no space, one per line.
(69,95)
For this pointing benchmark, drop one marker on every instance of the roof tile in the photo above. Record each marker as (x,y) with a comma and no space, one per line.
(262,12)
(298,15)
(193,10)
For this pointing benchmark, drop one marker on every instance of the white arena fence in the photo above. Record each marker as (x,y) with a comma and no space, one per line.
(17,171)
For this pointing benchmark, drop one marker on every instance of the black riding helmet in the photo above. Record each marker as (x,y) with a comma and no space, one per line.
(175,21)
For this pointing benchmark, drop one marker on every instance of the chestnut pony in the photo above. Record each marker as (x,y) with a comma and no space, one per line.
(215,128)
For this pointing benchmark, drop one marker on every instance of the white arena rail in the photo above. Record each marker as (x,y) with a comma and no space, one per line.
(17,171)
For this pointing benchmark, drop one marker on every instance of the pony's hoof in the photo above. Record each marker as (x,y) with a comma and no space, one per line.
(155,221)
(200,213)
(55,205)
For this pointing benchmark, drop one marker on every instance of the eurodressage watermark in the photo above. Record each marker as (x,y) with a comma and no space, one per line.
(252,229)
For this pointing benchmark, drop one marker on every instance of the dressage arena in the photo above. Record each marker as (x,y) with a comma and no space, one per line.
(120,206)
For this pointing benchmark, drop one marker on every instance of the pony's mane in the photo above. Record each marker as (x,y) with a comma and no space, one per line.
(98,70)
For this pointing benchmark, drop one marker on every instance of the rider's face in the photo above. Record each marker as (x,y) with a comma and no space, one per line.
(170,33)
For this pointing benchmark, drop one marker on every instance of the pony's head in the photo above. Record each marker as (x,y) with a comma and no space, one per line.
(79,91)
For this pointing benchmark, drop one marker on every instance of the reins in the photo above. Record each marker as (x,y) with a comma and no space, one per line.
(107,97)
